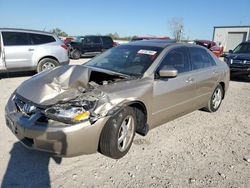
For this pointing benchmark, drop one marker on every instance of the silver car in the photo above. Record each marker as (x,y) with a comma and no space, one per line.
(30,50)
(128,89)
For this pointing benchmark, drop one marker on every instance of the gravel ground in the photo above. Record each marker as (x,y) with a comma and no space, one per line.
(197,150)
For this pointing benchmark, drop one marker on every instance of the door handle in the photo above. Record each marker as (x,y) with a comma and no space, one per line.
(30,49)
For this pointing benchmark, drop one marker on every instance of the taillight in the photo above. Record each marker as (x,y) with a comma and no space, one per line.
(115,44)
(64,46)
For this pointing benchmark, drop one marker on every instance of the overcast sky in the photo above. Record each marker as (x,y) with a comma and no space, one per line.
(126,17)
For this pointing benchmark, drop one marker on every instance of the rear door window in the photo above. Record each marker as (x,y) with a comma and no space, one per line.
(200,58)
(92,40)
(41,39)
(15,38)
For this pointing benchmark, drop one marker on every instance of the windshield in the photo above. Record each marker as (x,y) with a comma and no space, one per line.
(243,48)
(126,59)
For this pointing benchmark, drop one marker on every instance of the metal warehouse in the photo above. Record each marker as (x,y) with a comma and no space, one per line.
(230,36)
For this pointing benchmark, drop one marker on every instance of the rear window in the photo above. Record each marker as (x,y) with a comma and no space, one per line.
(107,40)
(15,38)
(41,39)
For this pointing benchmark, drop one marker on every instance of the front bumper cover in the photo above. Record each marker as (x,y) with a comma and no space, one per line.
(58,139)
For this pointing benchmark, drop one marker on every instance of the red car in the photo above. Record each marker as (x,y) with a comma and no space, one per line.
(68,40)
(212,46)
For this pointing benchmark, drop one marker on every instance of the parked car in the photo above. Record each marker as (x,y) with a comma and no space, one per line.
(68,40)
(128,89)
(239,60)
(30,50)
(212,46)
(85,46)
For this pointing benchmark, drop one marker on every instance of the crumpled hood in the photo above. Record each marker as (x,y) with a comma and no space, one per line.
(60,84)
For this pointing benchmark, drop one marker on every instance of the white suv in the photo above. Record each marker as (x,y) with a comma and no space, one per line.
(30,50)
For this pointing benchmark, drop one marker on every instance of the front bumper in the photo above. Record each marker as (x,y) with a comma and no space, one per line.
(59,139)
(240,70)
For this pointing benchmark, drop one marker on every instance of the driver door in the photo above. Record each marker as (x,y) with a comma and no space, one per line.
(173,97)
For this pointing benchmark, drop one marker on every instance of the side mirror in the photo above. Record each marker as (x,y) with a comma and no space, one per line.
(230,51)
(168,72)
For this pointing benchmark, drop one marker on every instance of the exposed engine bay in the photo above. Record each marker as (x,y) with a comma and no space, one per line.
(102,78)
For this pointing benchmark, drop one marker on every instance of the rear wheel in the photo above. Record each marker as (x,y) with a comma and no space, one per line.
(215,100)
(46,64)
(118,134)
(75,54)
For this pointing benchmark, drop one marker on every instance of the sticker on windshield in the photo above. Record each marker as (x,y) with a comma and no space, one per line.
(147,52)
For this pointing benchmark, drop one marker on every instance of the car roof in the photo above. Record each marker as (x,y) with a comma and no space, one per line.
(161,43)
(25,30)
(153,43)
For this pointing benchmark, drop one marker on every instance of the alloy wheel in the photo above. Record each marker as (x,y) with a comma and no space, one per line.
(125,134)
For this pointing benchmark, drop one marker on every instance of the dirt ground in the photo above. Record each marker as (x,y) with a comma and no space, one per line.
(197,150)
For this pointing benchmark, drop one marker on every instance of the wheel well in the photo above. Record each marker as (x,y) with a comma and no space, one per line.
(141,115)
(223,87)
(51,57)
(75,48)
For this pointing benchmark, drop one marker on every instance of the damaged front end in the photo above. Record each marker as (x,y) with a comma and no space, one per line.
(68,94)
(83,108)
(66,109)
(74,111)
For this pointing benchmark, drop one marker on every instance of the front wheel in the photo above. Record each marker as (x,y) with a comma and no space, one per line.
(118,134)
(215,100)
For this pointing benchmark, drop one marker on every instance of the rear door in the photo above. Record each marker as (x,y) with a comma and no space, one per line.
(2,61)
(91,45)
(18,50)
(206,74)
(173,97)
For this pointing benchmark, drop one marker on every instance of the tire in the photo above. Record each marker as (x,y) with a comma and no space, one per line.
(75,54)
(215,100)
(46,64)
(118,134)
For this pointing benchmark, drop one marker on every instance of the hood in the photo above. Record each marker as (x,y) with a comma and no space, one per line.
(60,84)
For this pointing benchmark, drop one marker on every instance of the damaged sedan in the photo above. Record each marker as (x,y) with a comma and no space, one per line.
(99,106)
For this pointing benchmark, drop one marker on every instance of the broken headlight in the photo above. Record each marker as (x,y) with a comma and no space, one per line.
(74,112)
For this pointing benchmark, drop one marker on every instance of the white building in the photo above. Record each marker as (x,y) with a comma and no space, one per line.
(230,36)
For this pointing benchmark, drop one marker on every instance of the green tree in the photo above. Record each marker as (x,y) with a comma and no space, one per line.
(114,35)
(59,32)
